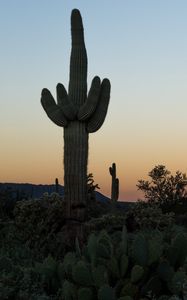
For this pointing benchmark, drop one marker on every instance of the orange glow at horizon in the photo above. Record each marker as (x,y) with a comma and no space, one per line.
(39,160)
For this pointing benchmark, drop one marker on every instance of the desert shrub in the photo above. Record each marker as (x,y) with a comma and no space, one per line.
(148,215)
(20,282)
(164,188)
(95,208)
(181,219)
(179,208)
(7,204)
(108,222)
(17,277)
(39,223)
(91,186)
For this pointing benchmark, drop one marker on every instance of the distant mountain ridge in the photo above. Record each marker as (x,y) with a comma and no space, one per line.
(21,191)
(30,190)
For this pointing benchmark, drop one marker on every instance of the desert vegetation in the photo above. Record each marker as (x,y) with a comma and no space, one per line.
(74,247)
(139,253)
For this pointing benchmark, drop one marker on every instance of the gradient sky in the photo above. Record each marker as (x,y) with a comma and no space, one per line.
(140,45)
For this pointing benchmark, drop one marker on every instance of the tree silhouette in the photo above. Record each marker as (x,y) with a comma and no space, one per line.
(164,188)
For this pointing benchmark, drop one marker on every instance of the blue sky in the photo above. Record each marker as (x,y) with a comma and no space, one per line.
(140,45)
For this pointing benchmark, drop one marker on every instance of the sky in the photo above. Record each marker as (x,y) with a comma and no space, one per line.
(140,45)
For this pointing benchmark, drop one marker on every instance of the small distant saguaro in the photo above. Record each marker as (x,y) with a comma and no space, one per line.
(79,114)
(115,184)
(56,185)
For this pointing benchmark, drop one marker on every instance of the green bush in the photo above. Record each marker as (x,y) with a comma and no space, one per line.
(149,215)
(163,188)
(39,223)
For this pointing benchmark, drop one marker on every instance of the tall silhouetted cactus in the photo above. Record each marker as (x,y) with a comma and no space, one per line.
(79,114)
(115,184)
(56,185)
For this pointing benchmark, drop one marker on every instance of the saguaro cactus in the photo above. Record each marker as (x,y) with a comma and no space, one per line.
(56,185)
(115,184)
(79,114)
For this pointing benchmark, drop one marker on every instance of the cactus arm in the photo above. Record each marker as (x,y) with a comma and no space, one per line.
(64,102)
(90,104)
(113,170)
(98,117)
(52,109)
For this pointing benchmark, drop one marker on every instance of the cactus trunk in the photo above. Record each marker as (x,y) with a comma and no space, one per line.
(75,169)
(75,135)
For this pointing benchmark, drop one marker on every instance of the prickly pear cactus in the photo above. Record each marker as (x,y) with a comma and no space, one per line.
(137,273)
(69,291)
(106,293)
(80,114)
(85,293)
(140,250)
(176,283)
(125,298)
(81,274)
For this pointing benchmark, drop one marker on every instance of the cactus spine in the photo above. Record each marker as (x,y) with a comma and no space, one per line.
(115,184)
(79,114)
